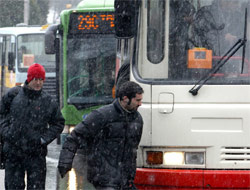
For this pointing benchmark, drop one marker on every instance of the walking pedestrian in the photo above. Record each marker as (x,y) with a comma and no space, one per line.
(30,119)
(112,134)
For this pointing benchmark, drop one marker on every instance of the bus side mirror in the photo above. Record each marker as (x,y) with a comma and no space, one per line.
(11,61)
(50,39)
(125,18)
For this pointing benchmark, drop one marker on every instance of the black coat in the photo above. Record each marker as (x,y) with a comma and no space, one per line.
(26,117)
(112,136)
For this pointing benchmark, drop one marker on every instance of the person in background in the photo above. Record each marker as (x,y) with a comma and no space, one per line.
(112,134)
(30,119)
(218,26)
(21,51)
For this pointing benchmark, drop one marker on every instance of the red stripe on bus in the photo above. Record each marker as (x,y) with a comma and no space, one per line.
(192,179)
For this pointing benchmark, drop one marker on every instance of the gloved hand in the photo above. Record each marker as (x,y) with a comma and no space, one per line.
(63,169)
(65,160)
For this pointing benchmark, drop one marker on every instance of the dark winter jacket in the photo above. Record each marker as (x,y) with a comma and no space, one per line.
(113,136)
(26,117)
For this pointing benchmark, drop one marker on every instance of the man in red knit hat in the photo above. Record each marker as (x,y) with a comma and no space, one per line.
(30,119)
(36,76)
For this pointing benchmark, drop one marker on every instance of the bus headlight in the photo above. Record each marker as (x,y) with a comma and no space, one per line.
(167,158)
(196,158)
(173,158)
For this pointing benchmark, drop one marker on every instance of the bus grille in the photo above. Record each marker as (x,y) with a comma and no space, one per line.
(49,86)
(235,154)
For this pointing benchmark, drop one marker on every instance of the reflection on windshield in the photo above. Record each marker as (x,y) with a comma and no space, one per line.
(31,50)
(91,67)
(190,26)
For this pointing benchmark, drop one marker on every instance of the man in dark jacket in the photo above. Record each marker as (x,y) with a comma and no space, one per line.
(30,119)
(112,133)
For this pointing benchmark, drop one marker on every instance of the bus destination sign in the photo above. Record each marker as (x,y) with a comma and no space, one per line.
(92,23)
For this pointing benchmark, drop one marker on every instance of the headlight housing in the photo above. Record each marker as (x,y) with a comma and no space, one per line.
(167,158)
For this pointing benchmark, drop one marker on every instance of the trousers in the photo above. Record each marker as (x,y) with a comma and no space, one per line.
(33,166)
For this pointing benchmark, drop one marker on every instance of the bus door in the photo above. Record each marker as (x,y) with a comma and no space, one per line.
(7,62)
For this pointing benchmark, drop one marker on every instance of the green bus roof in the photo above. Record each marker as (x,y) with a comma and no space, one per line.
(96,4)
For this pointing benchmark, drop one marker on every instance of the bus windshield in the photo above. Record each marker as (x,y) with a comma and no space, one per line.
(91,69)
(31,50)
(186,45)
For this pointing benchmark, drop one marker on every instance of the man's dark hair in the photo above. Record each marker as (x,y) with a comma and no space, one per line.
(129,89)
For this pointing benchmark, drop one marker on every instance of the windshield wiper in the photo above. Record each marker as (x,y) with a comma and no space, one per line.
(221,62)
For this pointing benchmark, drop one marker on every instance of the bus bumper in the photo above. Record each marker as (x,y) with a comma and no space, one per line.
(192,179)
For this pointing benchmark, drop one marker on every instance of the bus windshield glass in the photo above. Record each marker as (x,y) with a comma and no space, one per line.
(185,40)
(31,50)
(91,69)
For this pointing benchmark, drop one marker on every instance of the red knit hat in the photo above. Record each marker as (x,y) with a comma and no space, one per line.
(35,71)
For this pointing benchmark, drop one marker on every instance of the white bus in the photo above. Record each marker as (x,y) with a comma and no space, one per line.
(20,47)
(194,137)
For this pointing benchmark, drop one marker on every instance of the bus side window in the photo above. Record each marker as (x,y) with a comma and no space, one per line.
(155,31)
